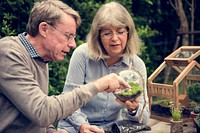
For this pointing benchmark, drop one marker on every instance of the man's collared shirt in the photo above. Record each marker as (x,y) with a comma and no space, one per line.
(30,48)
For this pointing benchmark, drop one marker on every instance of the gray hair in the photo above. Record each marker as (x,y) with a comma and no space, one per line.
(49,11)
(112,14)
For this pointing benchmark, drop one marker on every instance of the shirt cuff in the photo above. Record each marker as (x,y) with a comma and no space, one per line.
(51,129)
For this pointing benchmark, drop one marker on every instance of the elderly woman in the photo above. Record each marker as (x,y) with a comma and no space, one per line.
(112,45)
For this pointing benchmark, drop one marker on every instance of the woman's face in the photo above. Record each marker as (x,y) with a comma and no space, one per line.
(114,40)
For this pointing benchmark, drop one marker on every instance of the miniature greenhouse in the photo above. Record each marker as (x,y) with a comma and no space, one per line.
(170,80)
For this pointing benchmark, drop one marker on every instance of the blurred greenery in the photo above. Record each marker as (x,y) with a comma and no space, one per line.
(193,92)
(156,22)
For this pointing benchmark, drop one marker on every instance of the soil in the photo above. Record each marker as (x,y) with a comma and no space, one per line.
(159,110)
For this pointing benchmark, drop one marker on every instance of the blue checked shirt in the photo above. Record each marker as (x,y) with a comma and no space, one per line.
(33,53)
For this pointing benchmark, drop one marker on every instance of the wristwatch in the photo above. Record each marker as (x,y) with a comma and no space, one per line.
(133,113)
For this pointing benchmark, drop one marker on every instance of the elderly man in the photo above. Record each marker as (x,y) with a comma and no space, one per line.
(25,106)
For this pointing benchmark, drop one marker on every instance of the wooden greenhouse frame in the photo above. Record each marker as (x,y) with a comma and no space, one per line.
(172,91)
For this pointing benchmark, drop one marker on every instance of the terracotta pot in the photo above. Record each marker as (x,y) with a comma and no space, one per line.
(193,115)
(176,126)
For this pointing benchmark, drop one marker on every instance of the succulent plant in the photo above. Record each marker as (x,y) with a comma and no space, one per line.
(176,114)
(196,110)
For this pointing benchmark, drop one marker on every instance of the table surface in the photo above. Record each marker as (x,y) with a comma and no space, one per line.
(164,127)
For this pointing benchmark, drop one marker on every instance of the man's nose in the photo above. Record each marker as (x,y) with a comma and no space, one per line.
(72,43)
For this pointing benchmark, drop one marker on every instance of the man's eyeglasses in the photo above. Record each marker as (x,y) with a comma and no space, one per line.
(68,36)
(109,34)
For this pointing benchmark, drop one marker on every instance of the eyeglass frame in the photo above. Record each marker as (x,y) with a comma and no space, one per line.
(69,37)
(111,34)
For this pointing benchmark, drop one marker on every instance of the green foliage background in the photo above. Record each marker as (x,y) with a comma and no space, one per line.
(156,23)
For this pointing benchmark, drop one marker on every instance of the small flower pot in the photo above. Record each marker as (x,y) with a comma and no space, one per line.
(193,115)
(176,126)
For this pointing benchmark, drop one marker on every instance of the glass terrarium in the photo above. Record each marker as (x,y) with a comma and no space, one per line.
(136,81)
(168,83)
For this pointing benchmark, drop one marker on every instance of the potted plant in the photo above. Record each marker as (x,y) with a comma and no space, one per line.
(197,120)
(193,92)
(176,121)
(195,113)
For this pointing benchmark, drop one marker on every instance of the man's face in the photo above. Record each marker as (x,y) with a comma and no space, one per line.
(60,38)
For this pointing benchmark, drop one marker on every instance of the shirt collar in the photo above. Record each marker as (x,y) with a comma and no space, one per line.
(29,47)
(124,60)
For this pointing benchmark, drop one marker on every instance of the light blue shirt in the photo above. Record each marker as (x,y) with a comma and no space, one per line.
(102,110)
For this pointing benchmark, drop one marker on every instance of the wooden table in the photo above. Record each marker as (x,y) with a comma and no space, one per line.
(164,127)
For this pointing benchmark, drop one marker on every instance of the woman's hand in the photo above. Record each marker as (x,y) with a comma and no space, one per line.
(130,105)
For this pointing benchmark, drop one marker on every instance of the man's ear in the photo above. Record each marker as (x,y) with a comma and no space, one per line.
(43,28)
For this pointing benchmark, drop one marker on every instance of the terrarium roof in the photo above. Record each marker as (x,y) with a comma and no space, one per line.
(183,56)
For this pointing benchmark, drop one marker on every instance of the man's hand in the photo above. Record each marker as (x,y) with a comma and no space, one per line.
(85,128)
(110,83)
